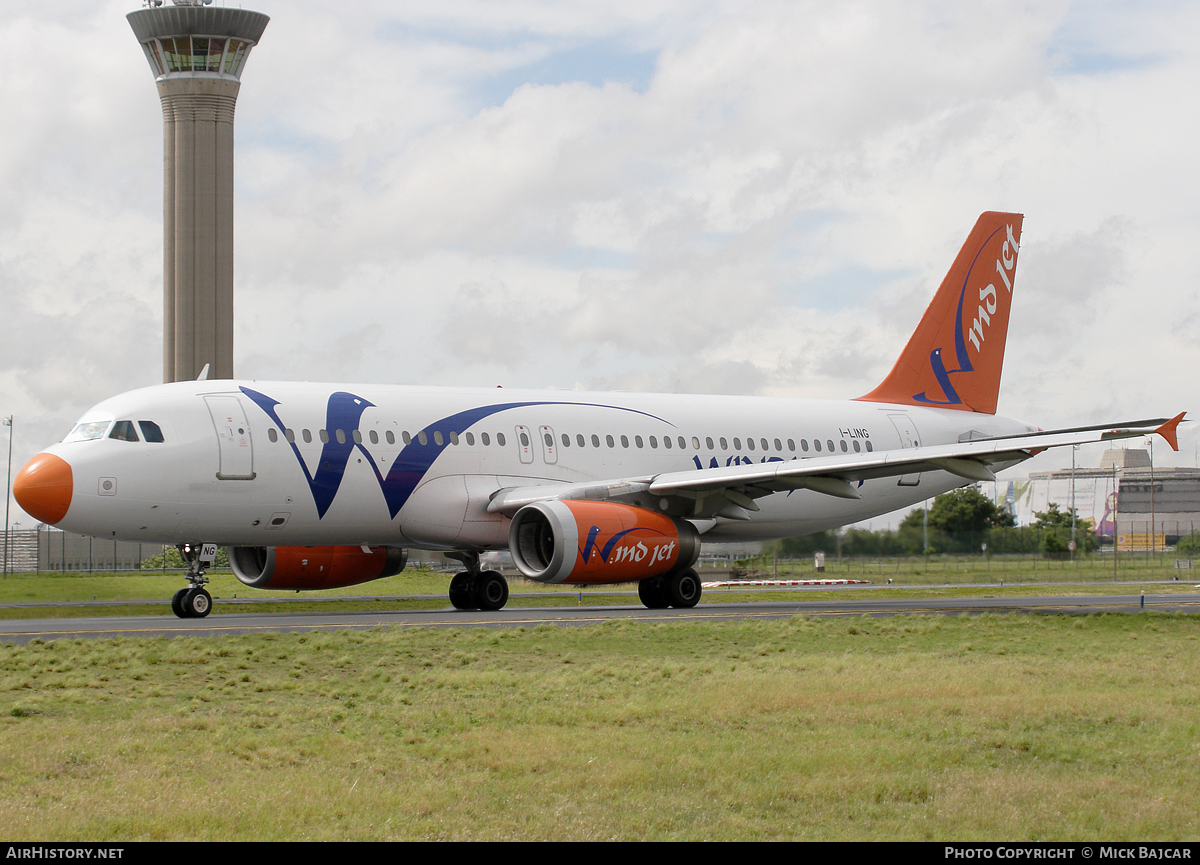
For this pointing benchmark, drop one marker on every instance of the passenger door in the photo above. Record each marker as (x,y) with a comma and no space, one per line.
(233,438)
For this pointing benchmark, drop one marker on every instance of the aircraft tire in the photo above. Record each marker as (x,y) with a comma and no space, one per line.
(177,604)
(491,591)
(653,593)
(197,603)
(462,591)
(683,588)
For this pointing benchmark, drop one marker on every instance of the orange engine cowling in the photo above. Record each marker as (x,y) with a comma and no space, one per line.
(598,542)
(314,567)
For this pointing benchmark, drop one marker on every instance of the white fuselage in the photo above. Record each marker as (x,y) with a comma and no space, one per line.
(287,464)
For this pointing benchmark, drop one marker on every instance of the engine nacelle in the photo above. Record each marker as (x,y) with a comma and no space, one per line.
(598,542)
(314,567)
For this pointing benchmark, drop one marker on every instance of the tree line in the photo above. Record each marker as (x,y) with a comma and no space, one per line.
(962,522)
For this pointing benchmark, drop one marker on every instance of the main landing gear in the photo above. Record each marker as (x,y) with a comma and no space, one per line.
(680,589)
(194,602)
(474,589)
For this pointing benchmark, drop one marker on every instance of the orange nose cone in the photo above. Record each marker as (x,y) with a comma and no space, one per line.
(43,488)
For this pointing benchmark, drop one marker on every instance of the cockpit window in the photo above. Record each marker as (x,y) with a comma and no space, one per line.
(123,431)
(89,430)
(151,431)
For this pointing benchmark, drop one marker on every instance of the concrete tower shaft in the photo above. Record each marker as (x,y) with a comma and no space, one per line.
(197,54)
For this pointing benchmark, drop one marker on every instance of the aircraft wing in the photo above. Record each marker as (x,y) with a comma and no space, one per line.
(730,491)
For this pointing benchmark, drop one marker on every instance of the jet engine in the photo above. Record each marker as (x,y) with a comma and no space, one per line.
(598,542)
(314,567)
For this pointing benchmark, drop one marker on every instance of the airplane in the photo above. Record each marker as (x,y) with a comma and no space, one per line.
(320,486)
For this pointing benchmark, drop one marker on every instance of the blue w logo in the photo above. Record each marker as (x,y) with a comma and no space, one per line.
(344,412)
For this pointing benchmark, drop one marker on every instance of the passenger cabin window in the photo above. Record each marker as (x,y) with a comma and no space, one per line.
(595,440)
(500,439)
(653,442)
(357,436)
(830,443)
(453,437)
(709,443)
(724,444)
(290,435)
(123,431)
(579,440)
(485,438)
(624,441)
(470,439)
(374,437)
(869,448)
(566,440)
(666,442)
(749,443)
(324,434)
(391,439)
(737,443)
(307,436)
(817,445)
(422,437)
(341,436)
(405,437)
(151,431)
(637,440)
(271,434)
(608,440)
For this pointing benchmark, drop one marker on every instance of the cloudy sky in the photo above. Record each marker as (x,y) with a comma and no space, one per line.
(708,197)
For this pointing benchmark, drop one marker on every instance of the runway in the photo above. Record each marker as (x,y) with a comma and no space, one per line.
(18,631)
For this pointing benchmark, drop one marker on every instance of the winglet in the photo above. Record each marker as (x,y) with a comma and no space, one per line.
(1167,430)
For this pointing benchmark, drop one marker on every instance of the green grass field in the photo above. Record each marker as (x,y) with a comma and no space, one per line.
(989,727)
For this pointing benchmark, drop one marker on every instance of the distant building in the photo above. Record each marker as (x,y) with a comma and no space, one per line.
(1146,501)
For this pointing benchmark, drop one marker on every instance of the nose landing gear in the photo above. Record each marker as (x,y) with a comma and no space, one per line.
(194,602)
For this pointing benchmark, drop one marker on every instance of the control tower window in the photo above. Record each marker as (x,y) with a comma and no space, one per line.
(216,50)
(235,56)
(152,54)
(179,53)
(123,431)
(151,431)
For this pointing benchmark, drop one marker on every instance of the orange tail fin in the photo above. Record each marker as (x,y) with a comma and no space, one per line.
(954,357)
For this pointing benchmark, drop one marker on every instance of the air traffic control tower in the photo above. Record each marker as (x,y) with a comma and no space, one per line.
(197,54)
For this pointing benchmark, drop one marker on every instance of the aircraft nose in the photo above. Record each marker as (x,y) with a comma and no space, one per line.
(43,488)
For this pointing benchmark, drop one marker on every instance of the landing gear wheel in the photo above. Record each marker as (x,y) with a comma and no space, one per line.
(462,592)
(653,593)
(196,603)
(491,590)
(177,604)
(683,588)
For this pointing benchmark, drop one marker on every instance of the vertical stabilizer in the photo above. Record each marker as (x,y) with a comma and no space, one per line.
(955,356)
